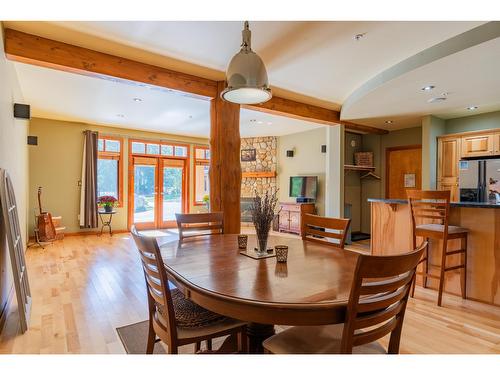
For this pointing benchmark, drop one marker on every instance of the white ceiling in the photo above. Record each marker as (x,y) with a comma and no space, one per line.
(71,97)
(317,60)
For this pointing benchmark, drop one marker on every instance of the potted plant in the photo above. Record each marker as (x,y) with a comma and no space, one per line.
(263,211)
(108,202)
(206,201)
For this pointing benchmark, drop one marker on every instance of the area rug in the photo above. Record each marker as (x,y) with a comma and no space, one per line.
(134,338)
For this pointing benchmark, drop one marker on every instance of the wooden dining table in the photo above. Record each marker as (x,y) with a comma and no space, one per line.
(311,288)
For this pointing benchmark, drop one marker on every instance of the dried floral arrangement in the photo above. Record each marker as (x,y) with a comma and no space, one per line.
(263,209)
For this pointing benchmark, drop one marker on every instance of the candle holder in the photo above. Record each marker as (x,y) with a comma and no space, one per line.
(281,253)
(242,241)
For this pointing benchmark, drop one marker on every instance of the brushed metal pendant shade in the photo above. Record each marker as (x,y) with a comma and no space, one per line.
(246,75)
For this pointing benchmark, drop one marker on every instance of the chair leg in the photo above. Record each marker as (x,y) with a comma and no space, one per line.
(426,263)
(395,337)
(464,270)
(209,344)
(441,275)
(151,338)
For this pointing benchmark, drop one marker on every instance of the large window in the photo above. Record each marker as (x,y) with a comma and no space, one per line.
(109,168)
(201,168)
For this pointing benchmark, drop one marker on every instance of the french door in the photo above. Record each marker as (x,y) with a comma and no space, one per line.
(157,191)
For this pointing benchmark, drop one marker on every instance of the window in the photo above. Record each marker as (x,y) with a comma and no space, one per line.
(158,149)
(201,169)
(109,168)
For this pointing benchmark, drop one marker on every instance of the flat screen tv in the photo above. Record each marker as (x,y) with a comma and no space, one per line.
(304,186)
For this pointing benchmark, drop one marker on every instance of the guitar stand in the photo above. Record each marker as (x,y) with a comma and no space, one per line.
(38,242)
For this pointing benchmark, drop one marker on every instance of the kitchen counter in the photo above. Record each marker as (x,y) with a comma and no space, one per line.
(391,233)
(452,204)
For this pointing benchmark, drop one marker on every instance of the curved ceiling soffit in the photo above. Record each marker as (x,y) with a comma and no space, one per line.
(468,39)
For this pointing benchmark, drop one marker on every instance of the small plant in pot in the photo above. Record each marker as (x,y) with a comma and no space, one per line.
(263,210)
(107,202)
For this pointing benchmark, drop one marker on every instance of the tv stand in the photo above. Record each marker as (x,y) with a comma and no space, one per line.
(290,218)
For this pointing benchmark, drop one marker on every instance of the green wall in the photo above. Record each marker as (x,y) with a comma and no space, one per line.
(482,121)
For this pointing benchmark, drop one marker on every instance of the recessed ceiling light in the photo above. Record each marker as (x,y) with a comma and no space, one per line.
(137,100)
(427,88)
(472,107)
(389,122)
(259,122)
(120,115)
(359,36)
(437,99)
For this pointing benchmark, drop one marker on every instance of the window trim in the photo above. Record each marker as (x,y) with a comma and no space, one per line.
(197,161)
(113,155)
(160,143)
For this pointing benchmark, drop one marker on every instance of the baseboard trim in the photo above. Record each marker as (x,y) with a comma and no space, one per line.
(88,233)
(6,308)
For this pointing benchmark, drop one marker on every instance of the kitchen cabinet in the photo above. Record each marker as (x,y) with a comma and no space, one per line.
(478,145)
(291,214)
(447,165)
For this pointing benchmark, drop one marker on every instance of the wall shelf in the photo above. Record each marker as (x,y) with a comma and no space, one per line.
(350,167)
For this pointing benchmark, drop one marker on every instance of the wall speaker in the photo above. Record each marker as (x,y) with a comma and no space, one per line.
(289,153)
(323,149)
(22,111)
(32,140)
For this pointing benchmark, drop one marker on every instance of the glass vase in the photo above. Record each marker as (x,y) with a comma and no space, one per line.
(262,241)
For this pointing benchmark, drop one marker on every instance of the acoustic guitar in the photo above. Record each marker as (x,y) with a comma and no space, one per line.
(46,228)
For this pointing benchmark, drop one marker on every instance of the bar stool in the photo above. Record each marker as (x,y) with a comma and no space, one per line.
(435,205)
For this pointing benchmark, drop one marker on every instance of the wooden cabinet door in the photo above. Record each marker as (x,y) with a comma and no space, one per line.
(284,220)
(452,187)
(295,221)
(448,158)
(478,145)
(496,143)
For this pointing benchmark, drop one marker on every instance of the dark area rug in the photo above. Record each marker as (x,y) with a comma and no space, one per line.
(134,338)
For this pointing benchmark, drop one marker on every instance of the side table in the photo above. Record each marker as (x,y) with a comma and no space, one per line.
(106,222)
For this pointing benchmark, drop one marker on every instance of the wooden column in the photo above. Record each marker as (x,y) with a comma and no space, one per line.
(225,167)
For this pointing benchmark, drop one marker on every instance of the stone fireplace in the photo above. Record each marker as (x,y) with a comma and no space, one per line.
(259,174)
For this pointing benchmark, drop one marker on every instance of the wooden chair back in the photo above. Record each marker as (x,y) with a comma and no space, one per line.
(202,224)
(425,205)
(159,296)
(378,298)
(318,229)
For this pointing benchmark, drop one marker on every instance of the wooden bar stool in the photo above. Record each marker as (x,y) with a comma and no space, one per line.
(435,205)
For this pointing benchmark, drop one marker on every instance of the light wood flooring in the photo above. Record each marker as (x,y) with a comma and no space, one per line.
(85,287)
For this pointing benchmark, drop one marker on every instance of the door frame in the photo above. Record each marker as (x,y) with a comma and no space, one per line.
(130,182)
(162,163)
(388,150)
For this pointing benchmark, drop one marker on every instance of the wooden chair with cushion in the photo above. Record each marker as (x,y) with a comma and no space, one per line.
(434,206)
(202,224)
(176,320)
(318,229)
(376,307)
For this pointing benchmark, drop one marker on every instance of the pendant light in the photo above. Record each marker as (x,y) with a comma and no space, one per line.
(246,75)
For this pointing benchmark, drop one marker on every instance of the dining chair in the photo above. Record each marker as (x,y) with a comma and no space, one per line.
(200,224)
(434,205)
(319,229)
(174,319)
(376,307)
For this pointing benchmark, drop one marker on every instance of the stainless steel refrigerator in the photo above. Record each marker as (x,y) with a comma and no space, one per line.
(479,180)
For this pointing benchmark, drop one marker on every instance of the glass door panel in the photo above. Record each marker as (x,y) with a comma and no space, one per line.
(172,190)
(145,192)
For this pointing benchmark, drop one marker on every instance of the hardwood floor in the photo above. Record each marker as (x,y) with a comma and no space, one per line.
(85,287)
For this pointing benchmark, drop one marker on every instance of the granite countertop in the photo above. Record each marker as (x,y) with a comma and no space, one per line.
(452,204)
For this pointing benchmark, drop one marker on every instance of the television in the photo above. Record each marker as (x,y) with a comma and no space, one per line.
(304,186)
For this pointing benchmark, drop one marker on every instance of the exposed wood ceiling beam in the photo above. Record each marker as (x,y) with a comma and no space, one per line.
(33,49)
(36,50)
(363,128)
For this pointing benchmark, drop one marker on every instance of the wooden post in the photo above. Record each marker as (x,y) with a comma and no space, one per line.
(225,167)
